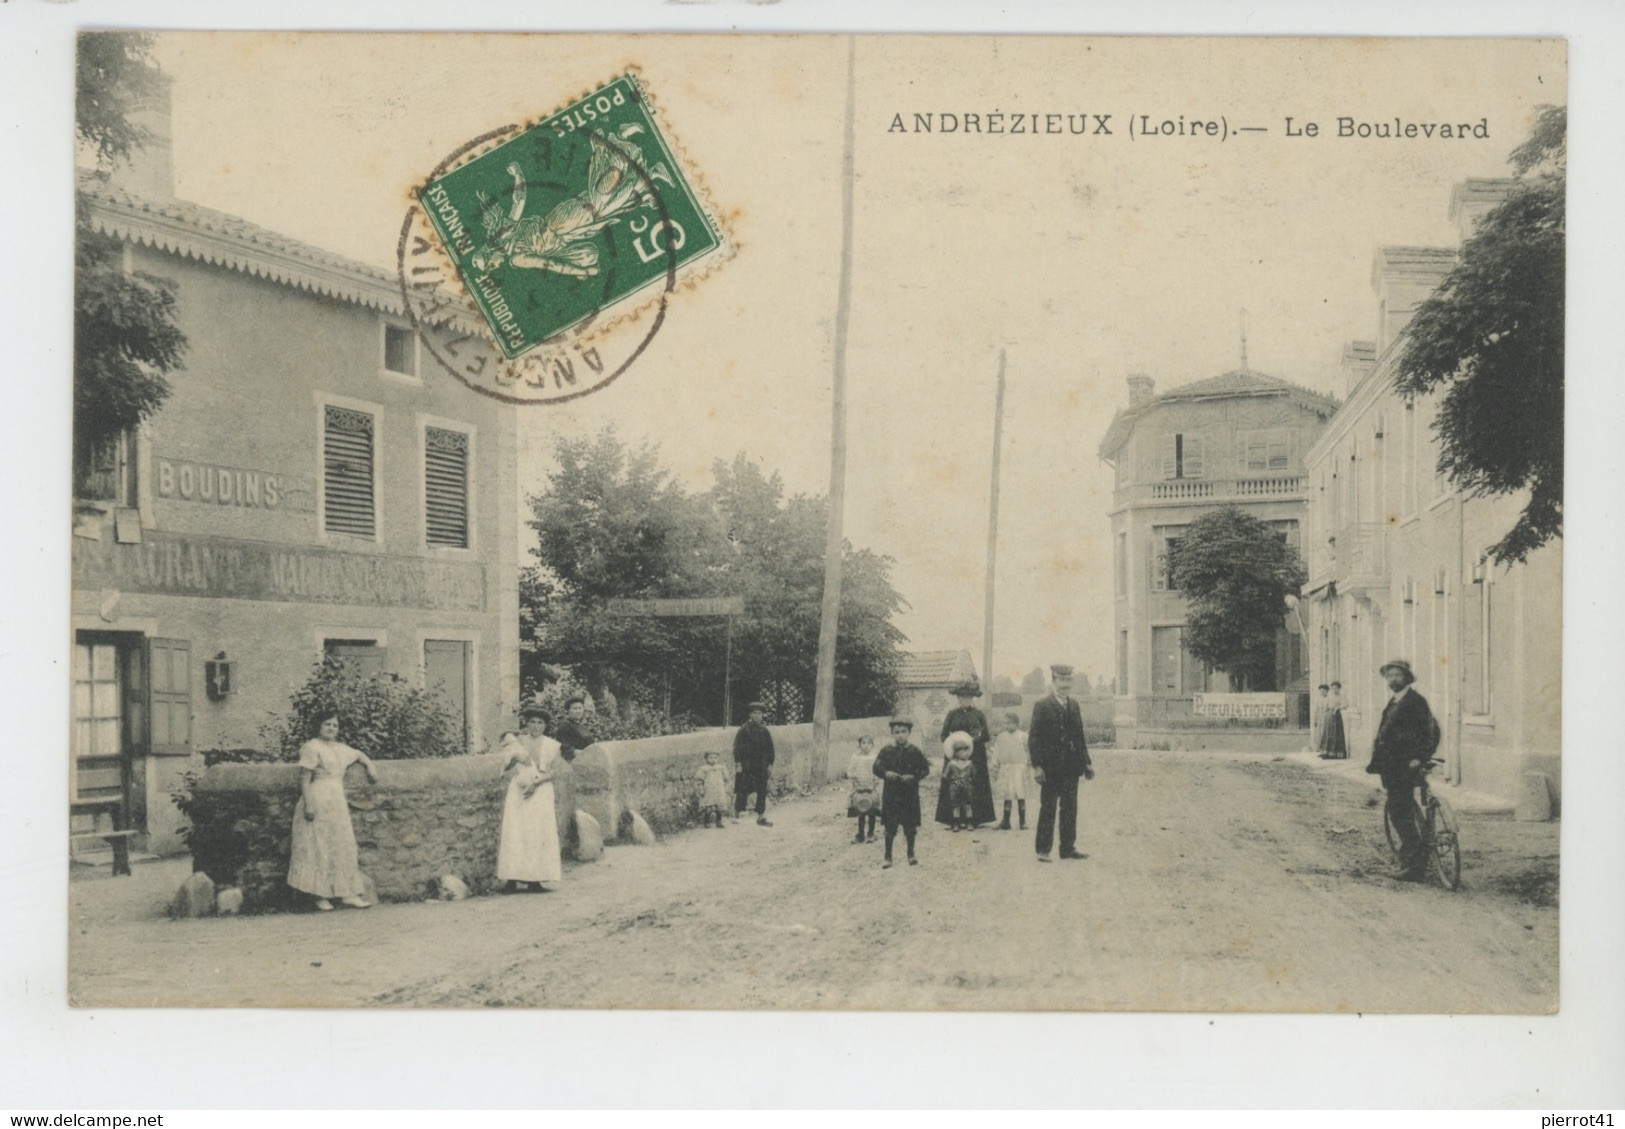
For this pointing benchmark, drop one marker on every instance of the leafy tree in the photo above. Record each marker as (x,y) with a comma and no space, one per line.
(611,523)
(1492,337)
(1236,573)
(1034,684)
(125,337)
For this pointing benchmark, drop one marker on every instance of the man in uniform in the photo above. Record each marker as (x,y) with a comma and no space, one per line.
(1406,737)
(753,754)
(1059,756)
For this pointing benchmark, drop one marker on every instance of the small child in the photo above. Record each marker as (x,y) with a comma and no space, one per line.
(864,802)
(714,788)
(959,777)
(1015,769)
(902,766)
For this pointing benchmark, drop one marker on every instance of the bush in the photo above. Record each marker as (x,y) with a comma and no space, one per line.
(383,715)
(610,720)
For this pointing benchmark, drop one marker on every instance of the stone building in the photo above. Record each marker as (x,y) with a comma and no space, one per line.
(309,487)
(925,689)
(1396,560)
(1236,439)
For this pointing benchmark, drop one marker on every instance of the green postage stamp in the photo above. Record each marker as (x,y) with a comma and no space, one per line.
(571,219)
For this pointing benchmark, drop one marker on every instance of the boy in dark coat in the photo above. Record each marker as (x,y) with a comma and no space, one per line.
(902,766)
(753,753)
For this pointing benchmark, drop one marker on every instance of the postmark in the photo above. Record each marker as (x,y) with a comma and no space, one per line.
(537,262)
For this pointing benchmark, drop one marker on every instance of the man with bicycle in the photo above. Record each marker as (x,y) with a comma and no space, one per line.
(1407,737)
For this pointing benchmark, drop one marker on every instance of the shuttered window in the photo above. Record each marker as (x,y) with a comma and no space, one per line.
(445,469)
(347,453)
(1182,456)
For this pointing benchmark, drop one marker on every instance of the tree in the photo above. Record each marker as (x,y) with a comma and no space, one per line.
(1236,572)
(1034,684)
(125,336)
(1491,337)
(610,522)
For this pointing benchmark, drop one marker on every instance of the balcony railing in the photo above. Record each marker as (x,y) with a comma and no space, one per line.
(1206,489)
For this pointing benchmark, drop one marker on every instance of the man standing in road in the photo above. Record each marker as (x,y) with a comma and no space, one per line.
(1406,737)
(1059,756)
(753,754)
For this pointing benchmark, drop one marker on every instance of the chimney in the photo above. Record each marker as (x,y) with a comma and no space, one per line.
(1402,278)
(1473,199)
(1359,358)
(1139,389)
(149,171)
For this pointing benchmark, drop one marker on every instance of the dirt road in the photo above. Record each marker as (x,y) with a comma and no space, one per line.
(1214,882)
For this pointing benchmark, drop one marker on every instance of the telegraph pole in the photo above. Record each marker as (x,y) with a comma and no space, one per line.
(834,542)
(992,535)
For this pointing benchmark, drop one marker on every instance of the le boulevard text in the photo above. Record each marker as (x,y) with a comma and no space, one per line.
(1152,127)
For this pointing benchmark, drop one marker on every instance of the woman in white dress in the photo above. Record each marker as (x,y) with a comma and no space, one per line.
(528,853)
(323,859)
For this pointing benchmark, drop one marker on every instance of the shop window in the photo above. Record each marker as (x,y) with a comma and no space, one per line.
(106,471)
(445,469)
(363,657)
(1162,562)
(347,472)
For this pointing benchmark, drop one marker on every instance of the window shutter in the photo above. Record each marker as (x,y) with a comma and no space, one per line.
(445,468)
(1193,456)
(169,662)
(347,472)
(1170,462)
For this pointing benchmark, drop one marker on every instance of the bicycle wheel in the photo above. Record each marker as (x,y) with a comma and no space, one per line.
(1444,838)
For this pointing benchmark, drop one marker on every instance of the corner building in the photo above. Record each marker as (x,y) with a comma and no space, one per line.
(308,488)
(1397,566)
(1236,439)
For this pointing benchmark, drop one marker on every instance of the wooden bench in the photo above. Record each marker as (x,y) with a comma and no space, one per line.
(118,838)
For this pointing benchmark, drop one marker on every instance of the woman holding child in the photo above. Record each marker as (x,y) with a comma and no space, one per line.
(966,718)
(528,852)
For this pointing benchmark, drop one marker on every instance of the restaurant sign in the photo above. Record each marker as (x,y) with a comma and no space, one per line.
(169,565)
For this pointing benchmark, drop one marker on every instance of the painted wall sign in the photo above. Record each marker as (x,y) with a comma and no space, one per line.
(169,565)
(1254,705)
(718,605)
(215,485)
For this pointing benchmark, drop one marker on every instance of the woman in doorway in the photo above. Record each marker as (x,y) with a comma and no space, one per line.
(528,853)
(1333,743)
(323,861)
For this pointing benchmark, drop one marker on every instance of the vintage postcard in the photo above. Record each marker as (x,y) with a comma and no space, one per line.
(863,522)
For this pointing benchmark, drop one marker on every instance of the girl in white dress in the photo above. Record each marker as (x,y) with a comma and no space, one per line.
(1015,770)
(323,859)
(528,853)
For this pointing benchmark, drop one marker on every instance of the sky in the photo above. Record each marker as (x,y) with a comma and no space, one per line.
(1082,258)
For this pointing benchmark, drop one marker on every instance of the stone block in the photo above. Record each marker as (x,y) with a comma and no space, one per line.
(589,838)
(639,831)
(1534,798)
(450,888)
(229,902)
(195,898)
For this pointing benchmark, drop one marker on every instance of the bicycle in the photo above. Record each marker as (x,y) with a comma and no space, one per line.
(1441,833)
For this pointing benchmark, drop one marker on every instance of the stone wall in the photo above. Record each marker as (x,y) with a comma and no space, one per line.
(423,819)
(657,776)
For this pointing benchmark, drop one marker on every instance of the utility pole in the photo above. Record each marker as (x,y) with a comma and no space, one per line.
(835,540)
(992,535)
